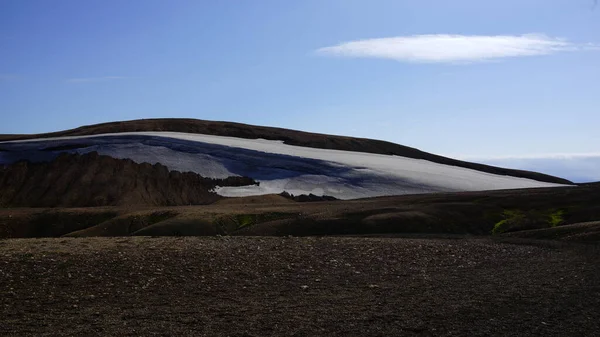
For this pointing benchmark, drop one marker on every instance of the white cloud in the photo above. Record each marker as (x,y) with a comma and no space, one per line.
(531,156)
(94,79)
(577,167)
(443,48)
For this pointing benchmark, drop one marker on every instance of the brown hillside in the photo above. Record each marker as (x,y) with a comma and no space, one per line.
(92,180)
(474,213)
(291,137)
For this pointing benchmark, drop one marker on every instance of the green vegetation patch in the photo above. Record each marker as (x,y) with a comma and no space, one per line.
(517,220)
(245,220)
(511,218)
(557,218)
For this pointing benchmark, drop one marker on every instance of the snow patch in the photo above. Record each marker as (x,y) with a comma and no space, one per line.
(295,169)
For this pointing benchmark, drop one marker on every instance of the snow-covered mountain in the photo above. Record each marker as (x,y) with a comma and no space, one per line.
(276,165)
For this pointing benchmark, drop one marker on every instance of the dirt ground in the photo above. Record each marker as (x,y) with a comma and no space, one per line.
(287,286)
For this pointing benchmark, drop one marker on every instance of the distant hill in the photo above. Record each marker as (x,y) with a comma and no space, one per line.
(291,137)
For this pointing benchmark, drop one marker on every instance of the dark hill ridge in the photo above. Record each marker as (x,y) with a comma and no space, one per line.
(291,137)
(73,180)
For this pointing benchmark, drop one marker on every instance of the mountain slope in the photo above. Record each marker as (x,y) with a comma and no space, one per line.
(73,180)
(278,167)
(290,137)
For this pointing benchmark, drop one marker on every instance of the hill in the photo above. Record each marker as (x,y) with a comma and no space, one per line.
(291,137)
(536,213)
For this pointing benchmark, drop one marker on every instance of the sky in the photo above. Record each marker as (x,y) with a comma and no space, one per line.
(512,82)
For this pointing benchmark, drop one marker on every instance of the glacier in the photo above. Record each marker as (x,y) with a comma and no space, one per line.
(277,166)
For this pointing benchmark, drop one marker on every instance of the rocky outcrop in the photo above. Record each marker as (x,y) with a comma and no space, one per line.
(307,197)
(73,180)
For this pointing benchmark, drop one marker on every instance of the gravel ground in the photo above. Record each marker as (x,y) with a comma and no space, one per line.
(252,286)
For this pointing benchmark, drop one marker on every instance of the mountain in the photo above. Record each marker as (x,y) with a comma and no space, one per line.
(291,137)
(280,159)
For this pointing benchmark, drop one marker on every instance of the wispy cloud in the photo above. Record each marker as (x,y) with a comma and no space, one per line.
(443,48)
(94,79)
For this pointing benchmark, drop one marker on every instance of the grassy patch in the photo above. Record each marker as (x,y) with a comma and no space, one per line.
(516,220)
(230,223)
(511,218)
(243,220)
(557,218)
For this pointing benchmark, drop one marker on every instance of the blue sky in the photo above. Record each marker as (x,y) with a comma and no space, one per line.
(465,78)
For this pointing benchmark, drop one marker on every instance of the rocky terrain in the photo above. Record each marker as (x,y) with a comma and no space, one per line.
(243,286)
(92,180)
